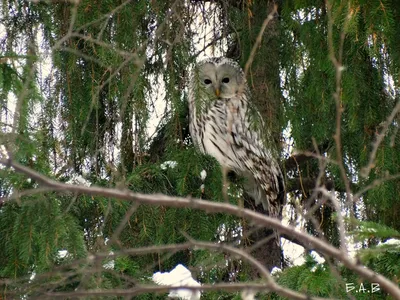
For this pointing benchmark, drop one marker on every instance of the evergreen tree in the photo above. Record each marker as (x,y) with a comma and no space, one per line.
(94,93)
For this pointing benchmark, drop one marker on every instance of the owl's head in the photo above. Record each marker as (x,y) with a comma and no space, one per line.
(220,77)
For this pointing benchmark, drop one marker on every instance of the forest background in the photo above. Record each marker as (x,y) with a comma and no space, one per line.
(97,161)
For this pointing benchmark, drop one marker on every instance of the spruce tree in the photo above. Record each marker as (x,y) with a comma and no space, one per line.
(94,93)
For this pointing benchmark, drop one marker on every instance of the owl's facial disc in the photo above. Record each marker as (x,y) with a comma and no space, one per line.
(219,81)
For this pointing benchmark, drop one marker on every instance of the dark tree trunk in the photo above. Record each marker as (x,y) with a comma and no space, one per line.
(264,81)
(262,242)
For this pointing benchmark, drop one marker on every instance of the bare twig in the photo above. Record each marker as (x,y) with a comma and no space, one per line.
(73,18)
(249,61)
(337,62)
(74,12)
(374,184)
(121,226)
(379,138)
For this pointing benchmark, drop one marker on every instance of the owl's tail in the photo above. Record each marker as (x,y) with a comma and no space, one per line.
(271,196)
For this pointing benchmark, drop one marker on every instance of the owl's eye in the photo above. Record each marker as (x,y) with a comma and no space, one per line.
(225,80)
(207,81)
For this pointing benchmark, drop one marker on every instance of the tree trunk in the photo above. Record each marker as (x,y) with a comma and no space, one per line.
(264,81)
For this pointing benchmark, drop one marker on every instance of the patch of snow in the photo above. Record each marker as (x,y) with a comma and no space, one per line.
(110,264)
(318,258)
(203,175)
(248,294)
(179,276)
(168,164)
(391,242)
(3,152)
(313,269)
(62,253)
(78,180)
(275,270)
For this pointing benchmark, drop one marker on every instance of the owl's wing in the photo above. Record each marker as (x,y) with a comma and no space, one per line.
(264,176)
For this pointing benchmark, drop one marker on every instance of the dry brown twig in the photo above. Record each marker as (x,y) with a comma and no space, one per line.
(253,51)
(379,139)
(337,62)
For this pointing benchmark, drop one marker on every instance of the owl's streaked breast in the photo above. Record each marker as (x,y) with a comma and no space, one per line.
(217,134)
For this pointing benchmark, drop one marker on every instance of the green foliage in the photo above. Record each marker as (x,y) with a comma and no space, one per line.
(84,82)
(367,229)
(309,81)
(33,233)
(383,258)
(157,225)
(319,280)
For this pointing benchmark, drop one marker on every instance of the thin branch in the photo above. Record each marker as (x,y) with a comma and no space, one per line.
(249,61)
(379,138)
(74,12)
(374,184)
(114,238)
(307,184)
(73,17)
(337,62)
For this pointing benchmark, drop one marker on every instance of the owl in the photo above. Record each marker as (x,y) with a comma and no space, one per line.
(224,125)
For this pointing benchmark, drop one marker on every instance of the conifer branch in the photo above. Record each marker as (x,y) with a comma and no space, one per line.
(212,207)
(268,286)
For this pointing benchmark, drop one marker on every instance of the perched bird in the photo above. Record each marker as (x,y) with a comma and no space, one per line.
(224,125)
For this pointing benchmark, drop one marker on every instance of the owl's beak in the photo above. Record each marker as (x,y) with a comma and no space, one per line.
(217,92)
